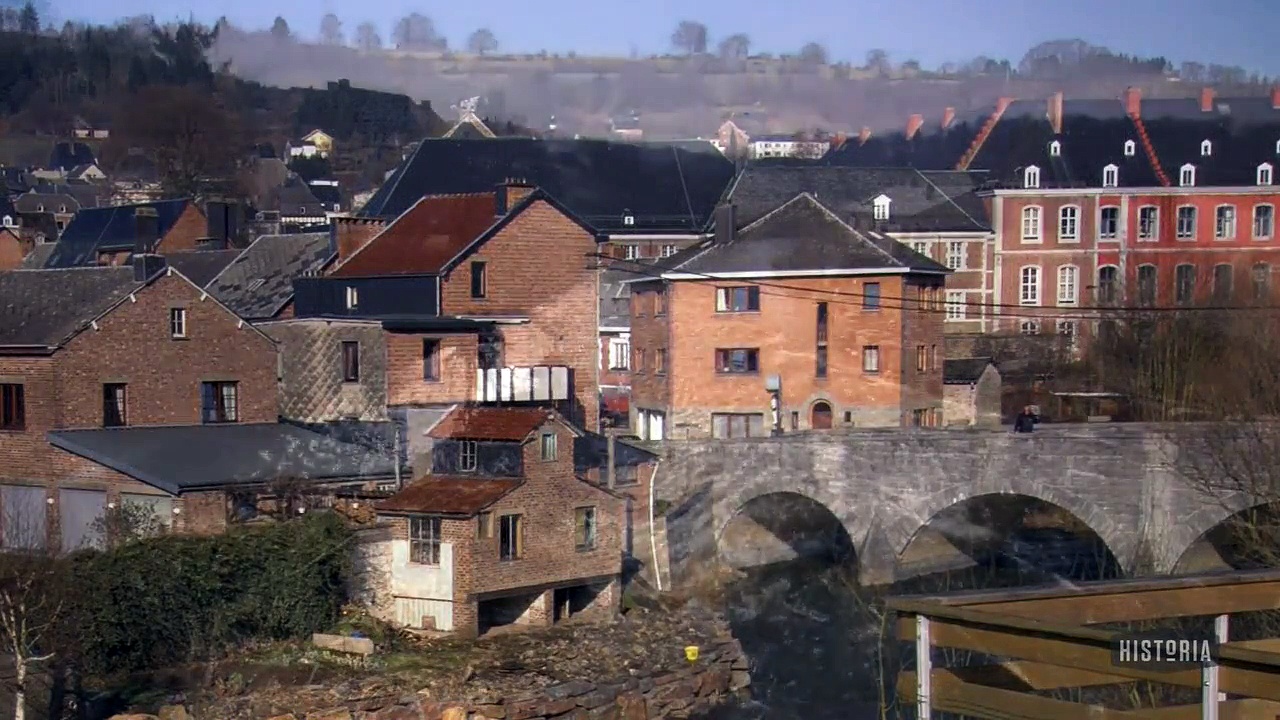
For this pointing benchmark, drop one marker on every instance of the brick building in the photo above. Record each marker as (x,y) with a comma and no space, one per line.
(502,529)
(850,321)
(106,235)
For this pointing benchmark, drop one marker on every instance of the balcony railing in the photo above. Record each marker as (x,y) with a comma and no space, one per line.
(524,384)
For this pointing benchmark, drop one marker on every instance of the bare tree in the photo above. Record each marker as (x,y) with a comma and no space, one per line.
(280,29)
(1191,71)
(416,31)
(331,30)
(367,37)
(878,61)
(690,37)
(482,41)
(813,54)
(735,47)
(188,137)
(30,598)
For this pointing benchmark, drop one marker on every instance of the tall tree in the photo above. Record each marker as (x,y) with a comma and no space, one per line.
(690,37)
(482,41)
(878,60)
(280,29)
(29,20)
(735,47)
(189,136)
(813,54)
(331,30)
(416,31)
(367,37)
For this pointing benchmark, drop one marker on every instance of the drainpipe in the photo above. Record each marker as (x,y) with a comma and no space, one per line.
(653,539)
(396,455)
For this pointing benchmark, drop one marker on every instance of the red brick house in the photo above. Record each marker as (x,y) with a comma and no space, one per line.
(501,529)
(106,235)
(710,332)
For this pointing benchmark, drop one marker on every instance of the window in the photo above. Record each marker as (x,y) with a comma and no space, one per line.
(479,283)
(489,352)
(668,250)
(1184,281)
(510,540)
(114,405)
(738,361)
(178,323)
(1224,226)
(1108,284)
(933,357)
(1068,285)
(1067,328)
(218,402)
(1264,174)
(955,305)
(1110,176)
(8,221)
(1109,222)
(1130,148)
(871,296)
(660,361)
(1261,281)
(726,426)
(1031,224)
(738,299)
(1206,149)
(584,528)
(1187,175)
(922,358)
(484,526)
(820,351)
(1264,221)
(1029,286)
(1223,277)
(630,252)
(880,207)
(637,359)
(1148,222)
(13,407)
(619,354)
(350,361)
(468,455)
(1147,284)
(1069,223)
(548,446)
(955,255)
(1030,327)
(1055,149)
(430,359)
(871,358)
(353,298)
(921,247)
(1186,222)
(424,540)
(1031,177)
(660,302)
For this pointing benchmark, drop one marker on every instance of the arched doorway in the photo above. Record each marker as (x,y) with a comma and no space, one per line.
(820,416)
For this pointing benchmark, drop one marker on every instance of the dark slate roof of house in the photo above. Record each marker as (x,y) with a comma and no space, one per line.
(44,199)
(921,201)
(14,180)
(201,266)
(44,308)
(38,256)
(930,148)
(1243,133)
(964,371)
(109,228)
(177,459)
(426,237)
(661,187)
(259,282)
(7,208)
(800,235)
(329,195)
(67,155)
(449,495)
(591,451)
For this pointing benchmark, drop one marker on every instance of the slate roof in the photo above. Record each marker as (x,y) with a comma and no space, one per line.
(33,200)
(449,495)
(67,155)
(615,295)
(201,266)
(800,235)
(661,187)
(1243,133)
(921,201)
(297,198)
(38,256)
(591,451)
(431,233)
(930,149)
(511,424)
(44,308)
(7,208)
(177,459)
(964,371)
(328,195)
(275,260)
(14,180)
(93,230)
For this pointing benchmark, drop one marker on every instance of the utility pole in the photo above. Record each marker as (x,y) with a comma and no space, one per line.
(611,439)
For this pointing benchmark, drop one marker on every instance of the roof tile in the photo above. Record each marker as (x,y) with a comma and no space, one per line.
(449,495)
(512,424)
(259,282)
(45,307)
(424,238)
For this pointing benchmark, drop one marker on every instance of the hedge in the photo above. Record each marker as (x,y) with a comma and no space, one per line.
(152,603)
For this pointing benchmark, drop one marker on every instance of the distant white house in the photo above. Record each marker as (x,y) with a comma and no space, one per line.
(785,146)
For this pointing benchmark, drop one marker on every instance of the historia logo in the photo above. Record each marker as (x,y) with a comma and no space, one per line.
(1162,651)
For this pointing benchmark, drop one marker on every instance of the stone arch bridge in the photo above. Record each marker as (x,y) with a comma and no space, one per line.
(1126,482)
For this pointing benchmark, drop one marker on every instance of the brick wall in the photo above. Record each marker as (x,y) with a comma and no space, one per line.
(12,250)
(190,227)
(457,367)
(922,327)
(352,234)
(650,332)
(201,513)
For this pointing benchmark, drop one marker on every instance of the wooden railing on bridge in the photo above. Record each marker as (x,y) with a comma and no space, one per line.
(1047,641)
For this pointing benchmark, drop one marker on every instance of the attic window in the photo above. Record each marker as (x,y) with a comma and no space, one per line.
(1110,176)
(1264,174)
(40,208)
(628,220)
(353,298)
(62,208)
(8,221)
(1206,149)
(1055,149)
(1031,177)
(880,207)
(1187,175)
(1130,148)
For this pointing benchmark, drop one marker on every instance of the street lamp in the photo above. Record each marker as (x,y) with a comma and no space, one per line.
(773,385)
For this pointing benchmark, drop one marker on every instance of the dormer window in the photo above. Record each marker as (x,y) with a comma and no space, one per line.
(62,208)
(628,220)
(40,208)
(1264,174)
(880,207)
(8,221)
(1110,176)
(1187,175)
(1031,177)
(1130,148)
(1055,149)
(1206,149)
(353,298)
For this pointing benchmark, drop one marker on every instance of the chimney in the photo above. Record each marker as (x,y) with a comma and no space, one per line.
(216,214)
(146,228)
(1206,99)
(509,193)
(864,135)
(1275,98)
(726,223)
(914,123)
(1133,102)
(948,117)
(1055,112)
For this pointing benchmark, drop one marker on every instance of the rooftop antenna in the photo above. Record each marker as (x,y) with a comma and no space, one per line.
(466,109)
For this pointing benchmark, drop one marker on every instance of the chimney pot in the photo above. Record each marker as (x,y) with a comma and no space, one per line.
(1055,112)
(864,135)
(948,117)
(914,124)
(146,228)
(1275,98)
(1206,99)
(726,222)
(1133,102)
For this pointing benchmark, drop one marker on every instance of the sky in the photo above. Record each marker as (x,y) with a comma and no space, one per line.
(1229,32)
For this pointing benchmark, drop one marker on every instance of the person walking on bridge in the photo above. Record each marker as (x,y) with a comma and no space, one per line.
(1026,420)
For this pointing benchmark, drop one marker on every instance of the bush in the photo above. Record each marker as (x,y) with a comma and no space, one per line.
(172,599)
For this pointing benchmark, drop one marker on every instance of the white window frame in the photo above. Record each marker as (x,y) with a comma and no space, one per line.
(1226,222)
(1068,280)
(1029,327)
(353,297)
(630,252)
(1029,292)
(668,250)
(1033,218)
(1154,235)
(1187,175)
(956,252)
(1206,148)
(1266,173)
(468,455)
(1110,176)
(1271,221)
(1074,235)
(178,323)
(1130,148)
(425,533)
(880,207)
(1195,220)
(956,305)
(1055,149)
(619,354)
(1278,147)
(8,221)
(921,246)
(1069,328)
(1114,236)
(1031,177)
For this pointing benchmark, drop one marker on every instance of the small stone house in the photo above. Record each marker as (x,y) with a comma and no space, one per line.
(501,531)
(971,392)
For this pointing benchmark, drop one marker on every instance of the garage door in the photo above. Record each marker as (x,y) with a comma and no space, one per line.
(79,513)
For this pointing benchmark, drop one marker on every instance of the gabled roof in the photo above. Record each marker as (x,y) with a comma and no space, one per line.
(45,308)
(506,424)
(449,495)
(964,371)
(93,230)
(469,127)
(662,188)
(201,266)
(45,197)
(327,194)
(939,201)
(426,237)
(802,236)
(259,281)
(67,155)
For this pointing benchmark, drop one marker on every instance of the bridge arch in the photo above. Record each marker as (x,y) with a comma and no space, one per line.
(780,526)
(1224,536)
